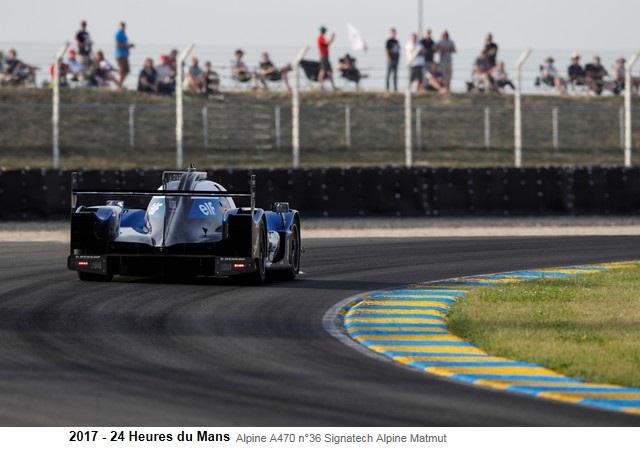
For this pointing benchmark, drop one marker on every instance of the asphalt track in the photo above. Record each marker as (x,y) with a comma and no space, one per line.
(154,352)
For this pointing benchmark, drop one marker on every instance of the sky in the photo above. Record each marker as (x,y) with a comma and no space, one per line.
(520,24)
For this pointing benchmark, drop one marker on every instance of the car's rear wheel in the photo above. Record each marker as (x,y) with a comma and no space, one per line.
(258,276)
(93,277)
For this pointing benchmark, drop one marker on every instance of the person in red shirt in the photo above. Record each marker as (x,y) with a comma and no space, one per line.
(325,65)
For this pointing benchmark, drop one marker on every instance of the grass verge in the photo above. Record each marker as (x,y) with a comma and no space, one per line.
(586,327)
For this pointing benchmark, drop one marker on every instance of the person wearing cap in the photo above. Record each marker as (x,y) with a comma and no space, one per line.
(75,69)
(325,65)
(575,72)
(551,77)
(166,76)
(84,44)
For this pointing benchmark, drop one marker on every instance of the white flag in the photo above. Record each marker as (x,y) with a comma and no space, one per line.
(355,39)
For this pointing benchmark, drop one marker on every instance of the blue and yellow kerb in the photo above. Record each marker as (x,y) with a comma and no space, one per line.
(409,326)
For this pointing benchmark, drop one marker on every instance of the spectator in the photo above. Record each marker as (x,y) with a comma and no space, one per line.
(62,74)
(417,64)
(619,76)
(482,79)
(349,70)
(428,49)
(75,69)
(446,48)
(325,65)
(500,77)
(575,72)
(211,79)
(241,72)
(17,72)
(596,74)
(195,81)
(491,49)
(392,52)
(148,78)
(122,53)
(101,72)
(173,63)
(436,81)
(551,77)
(84,44)
(166,76)
(267,71)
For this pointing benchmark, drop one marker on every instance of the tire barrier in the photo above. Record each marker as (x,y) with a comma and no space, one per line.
(363,192)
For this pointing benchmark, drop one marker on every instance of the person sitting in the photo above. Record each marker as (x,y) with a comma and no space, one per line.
(576,74)
(501,78)
(481,74)
(619,77)
(241,72)
(195,81)
(268,71)
(75,69)
(148,78)
(166,76)
(17,72)
(348,69)
(211,79)
(596,77)
(549,75)
(101,72)
(435,79)
(62,74)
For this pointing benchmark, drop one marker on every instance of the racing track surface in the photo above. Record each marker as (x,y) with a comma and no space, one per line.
(137,352)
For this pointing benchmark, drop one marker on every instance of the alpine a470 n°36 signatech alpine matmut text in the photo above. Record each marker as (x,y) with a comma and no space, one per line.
(190,227)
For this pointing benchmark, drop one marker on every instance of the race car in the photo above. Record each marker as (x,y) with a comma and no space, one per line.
(191,227)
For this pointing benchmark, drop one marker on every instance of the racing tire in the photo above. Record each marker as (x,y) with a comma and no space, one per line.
(295,252)
(93,277)
(258,276)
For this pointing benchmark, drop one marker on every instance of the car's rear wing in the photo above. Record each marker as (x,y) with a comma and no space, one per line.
(76,192)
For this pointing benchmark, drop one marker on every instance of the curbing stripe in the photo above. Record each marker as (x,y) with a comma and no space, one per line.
(408,325)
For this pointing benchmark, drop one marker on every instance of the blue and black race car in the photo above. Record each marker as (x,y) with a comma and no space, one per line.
(190,227)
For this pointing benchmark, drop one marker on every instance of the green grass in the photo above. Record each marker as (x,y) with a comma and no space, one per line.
(586,327)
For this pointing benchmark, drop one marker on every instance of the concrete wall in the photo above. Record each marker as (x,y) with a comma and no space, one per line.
(45,194)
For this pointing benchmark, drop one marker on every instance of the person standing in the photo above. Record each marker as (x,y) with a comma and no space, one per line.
(122,53)
(491,50)
(446,47)
(392,51)
(325,65)
(85,45)
(417,64)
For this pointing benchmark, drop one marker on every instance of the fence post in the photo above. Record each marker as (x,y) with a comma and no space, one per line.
(55,113)
(517,118)
(408,150)
(418,129)
(132,126)
(179,109)
(554,126)
(295,108)
(278,130)
(621,126)
(205,128)
(627,108)
(487,127)
(347,126)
